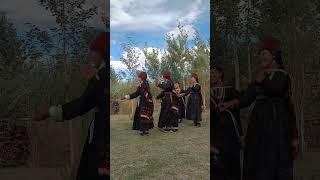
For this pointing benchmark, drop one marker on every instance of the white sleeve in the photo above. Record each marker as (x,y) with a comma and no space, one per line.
(56,112)
(127,97)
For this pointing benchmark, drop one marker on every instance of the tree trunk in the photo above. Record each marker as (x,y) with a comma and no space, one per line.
(249,63)
(236,67)
(302,112)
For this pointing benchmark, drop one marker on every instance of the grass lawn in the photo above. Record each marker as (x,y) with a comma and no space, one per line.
(161,155)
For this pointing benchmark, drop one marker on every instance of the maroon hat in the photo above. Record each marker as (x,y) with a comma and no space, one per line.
(166,74)
(143,75)
(101,44)
(271,44)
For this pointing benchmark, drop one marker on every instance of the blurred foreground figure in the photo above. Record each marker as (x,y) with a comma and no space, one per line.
(272,137)
(93,163)
(227,131)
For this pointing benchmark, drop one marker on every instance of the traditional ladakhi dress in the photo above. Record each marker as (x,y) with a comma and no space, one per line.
(272,128)
(143,119)
(194,104)
(182,103)
(165,103)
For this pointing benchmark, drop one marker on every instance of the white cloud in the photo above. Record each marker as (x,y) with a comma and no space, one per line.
(141,15)
(189,30)
(141,57)
(118,65)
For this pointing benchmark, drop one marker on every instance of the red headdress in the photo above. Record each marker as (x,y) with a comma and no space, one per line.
(166,74)
(143,75)
(101,44)
(270,44)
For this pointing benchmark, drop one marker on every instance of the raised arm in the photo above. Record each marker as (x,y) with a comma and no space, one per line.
(166,86)
(88,100)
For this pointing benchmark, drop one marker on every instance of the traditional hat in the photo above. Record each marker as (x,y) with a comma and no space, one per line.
(143,75)
(101,44)
(271,44)
(166,74)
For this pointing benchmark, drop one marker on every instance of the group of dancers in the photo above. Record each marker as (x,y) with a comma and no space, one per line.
(173,103)
(271,141)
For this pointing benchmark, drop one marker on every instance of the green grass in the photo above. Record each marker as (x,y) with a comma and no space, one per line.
(161,155)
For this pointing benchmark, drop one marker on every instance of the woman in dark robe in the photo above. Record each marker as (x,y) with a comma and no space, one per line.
(166,87)
(195,103)
(143,120)
(172,123)
(272,137)
(182,100)
(94,159)
(227,130)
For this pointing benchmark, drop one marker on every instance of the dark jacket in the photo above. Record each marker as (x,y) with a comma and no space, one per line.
(94,96)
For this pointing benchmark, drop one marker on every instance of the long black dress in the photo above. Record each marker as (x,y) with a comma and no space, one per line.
(165,103)
(226,134)
(172,121)
(95,148)
(143,119)
(272,127)
(194,103)
(182,102)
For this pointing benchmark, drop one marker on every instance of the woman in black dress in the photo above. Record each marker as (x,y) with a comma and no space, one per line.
(272,136)
(166,87)
(143,120)
(195,103)
(182,101)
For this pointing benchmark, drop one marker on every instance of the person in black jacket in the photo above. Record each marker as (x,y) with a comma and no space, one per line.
(94,160)
(143,120)
(166,86)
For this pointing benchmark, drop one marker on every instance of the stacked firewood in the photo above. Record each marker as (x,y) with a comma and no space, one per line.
(14,145)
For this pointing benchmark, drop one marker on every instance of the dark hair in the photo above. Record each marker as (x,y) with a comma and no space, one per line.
(277,57)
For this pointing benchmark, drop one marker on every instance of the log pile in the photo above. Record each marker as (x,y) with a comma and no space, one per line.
(14,145)
(114,107)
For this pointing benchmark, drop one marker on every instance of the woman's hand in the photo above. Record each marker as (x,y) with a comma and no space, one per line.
(203,107)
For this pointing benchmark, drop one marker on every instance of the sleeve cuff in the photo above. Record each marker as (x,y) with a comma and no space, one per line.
(127,97)
(56,113)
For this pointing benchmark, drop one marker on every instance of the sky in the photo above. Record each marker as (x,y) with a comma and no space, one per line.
(29,11)
(149,21)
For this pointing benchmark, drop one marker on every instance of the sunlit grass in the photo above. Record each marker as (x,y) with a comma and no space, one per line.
(161,155)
